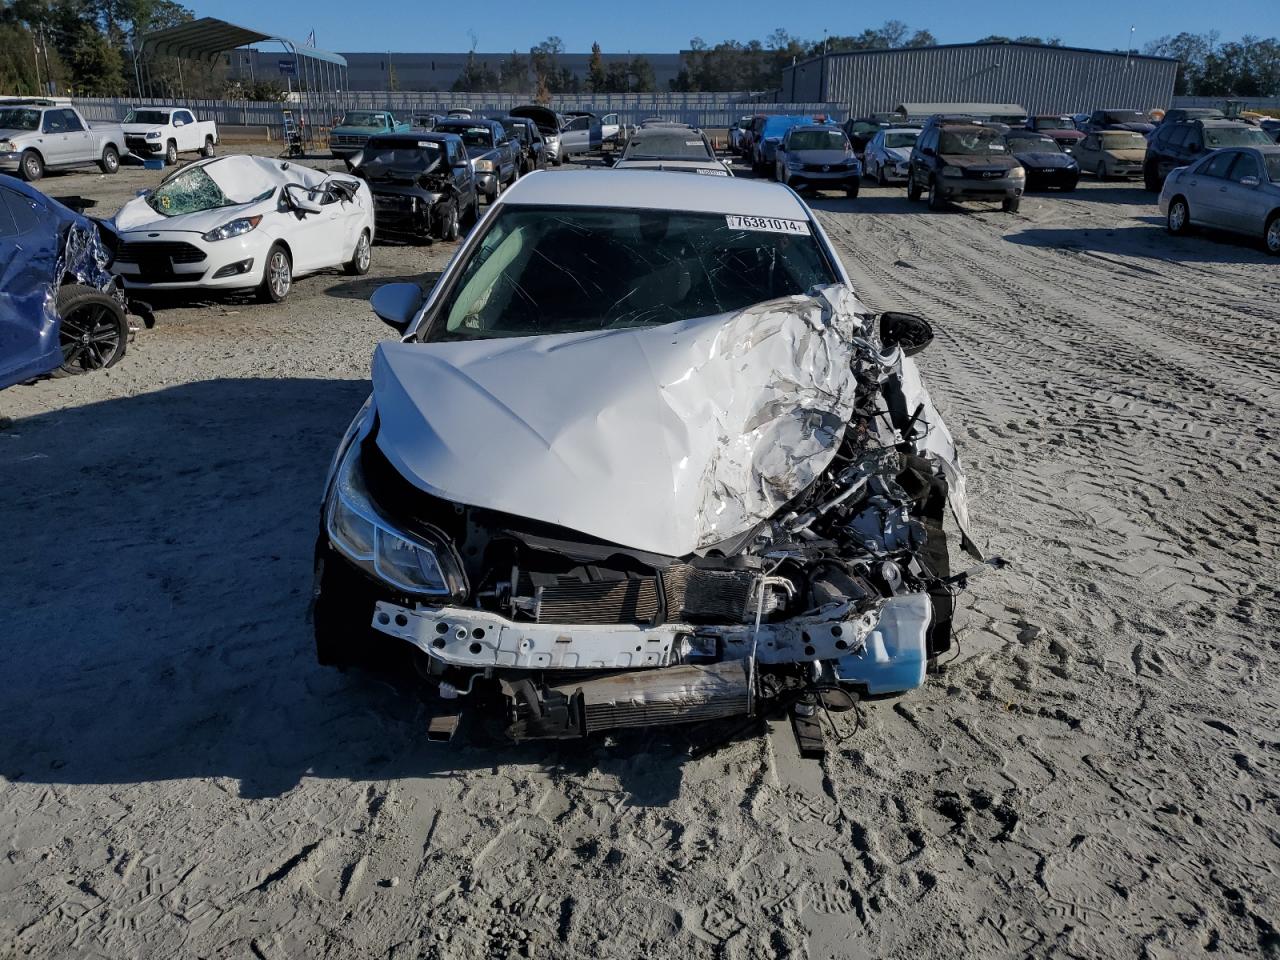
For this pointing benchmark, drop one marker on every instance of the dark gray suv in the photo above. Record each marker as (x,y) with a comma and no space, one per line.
(964,161)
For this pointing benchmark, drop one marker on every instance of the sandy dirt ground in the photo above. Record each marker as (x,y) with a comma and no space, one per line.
(1095,773)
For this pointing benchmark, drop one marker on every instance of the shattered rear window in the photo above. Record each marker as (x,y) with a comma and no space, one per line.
(548,270)
(191,191)
(19,119)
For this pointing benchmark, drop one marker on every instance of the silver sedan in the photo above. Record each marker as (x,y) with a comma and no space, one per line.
(1233,189)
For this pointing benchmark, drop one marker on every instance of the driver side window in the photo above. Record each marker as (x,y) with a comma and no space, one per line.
(53,122)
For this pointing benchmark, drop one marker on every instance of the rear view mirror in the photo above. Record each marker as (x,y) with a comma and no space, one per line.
(396,303)
(1248,181)
(905,330)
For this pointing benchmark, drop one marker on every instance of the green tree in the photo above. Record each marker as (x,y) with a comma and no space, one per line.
(595,70)
(640,75)
(513,74)
(97,69)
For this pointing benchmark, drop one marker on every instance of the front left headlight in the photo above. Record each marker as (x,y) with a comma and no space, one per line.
(6,146)
(952,172)
(795,164)
(1017,173)
(234,228)
(484,166)
(411,562)
(153,134)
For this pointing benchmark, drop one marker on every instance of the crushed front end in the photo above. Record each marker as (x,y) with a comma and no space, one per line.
(810,488)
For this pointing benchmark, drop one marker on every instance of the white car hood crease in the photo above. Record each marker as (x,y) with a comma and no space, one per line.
(666,439)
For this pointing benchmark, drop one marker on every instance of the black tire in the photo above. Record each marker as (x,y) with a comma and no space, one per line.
(1010,204)
(171,153)
(1178,222)
(92,330)
(275,287)
(1150,178)
(935,198)
(31,166)
(852,192)
(110,162)
(207,150)
(447,227)
(1271,235)
(358,265)
(880,177)
(913,188)
(342,618)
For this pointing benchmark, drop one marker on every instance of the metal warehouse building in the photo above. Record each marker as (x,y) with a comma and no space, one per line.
(1043,79)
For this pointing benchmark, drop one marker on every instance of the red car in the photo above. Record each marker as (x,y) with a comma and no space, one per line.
(1061,129)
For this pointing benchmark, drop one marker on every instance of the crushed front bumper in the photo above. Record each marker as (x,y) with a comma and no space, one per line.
(478,640)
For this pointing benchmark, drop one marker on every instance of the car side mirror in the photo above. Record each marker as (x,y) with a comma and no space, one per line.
(905,330)
(396,303)
(1249,181)
(304,203)
(179,123)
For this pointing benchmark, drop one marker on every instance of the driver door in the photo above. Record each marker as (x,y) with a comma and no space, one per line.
(575,136)
(316,238)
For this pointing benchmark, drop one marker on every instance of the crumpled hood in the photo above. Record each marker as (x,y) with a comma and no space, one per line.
(900,154)
(240,178)
(667,439)
(138,215)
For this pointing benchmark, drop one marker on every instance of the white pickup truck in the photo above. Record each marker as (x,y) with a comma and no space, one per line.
(40,135)
(167,132)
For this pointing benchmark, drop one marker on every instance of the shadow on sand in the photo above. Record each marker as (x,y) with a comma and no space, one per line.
(155,590)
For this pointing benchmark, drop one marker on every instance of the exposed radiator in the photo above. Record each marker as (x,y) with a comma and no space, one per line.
(692,594)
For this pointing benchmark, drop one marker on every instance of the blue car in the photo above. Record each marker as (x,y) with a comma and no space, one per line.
(61,310)
(764,154)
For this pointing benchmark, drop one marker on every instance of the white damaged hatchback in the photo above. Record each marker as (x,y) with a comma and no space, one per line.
(239,223)
(640,458)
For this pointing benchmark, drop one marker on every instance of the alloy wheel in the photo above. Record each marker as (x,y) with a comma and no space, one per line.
(89,337)
(1273,236)
(362,253)
(279,275)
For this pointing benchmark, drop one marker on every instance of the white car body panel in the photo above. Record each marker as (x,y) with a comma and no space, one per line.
(692,425)
(316,241)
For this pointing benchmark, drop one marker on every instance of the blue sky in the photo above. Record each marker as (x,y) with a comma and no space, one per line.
(658,26)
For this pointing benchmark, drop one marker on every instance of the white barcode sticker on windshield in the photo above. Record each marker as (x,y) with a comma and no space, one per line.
(712,173)
(767,224)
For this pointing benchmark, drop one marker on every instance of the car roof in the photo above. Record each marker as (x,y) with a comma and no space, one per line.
(820,127)
(656,190)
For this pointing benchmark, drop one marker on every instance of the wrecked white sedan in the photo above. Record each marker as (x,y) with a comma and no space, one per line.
(642,457)
(239,223)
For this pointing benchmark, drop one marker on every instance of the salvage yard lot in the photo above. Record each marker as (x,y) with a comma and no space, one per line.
(1095,773)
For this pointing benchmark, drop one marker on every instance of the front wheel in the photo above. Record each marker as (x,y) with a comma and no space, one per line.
(358,265)
(913,188)
(110,162)
(1179,219)
(447,225)
(32,166)
(935,198)
(1150,179)
(277,276)
(851,192)
(880,177)
(92,331)
(1271,235)
(1011,204)
(171,153)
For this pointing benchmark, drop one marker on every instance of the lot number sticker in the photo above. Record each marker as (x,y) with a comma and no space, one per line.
(767,224)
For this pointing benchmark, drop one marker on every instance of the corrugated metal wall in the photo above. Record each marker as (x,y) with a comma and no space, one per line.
(1042,79)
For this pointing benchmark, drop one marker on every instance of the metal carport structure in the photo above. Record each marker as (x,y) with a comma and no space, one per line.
(321,75)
